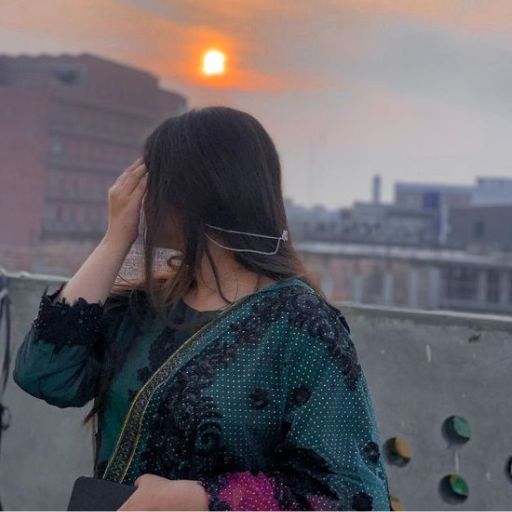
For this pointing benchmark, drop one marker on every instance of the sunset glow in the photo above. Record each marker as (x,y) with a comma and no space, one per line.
(325,91)
(214,62)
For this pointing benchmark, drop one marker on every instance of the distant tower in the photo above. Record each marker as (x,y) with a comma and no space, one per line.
(376,189)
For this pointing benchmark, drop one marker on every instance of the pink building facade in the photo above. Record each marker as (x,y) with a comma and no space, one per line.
(68,126)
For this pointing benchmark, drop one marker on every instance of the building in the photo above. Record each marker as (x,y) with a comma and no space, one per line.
(364,223)
(437,198)
(316,223)
(481,228)
(492,192)
(391,224)
(431,249)
(69,125)
(408,277)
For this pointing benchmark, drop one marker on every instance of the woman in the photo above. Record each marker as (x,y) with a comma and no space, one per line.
(228,382)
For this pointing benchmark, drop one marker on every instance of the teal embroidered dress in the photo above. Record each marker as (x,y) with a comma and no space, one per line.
(264,402)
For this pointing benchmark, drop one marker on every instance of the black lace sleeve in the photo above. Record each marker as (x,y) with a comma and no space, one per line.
(61,323)
(61,358)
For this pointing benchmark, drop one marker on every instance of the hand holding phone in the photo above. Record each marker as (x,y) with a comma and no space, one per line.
(91,493)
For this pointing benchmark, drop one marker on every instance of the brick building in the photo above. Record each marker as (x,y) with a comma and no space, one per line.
(68,126)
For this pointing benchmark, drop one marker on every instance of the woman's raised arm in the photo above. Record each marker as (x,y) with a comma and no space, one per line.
(61,355)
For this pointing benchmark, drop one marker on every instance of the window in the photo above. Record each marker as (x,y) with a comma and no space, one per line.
(493,286)
(460,283)
(57,147)
(431,200)
(478,229)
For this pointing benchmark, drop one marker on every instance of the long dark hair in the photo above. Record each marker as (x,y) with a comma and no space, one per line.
(218,166)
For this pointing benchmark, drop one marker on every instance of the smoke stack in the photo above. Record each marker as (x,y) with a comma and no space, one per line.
(376,189)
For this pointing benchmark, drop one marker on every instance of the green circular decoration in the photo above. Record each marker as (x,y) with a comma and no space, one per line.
(457,429)
(459,486)
(461,426)
(454,489)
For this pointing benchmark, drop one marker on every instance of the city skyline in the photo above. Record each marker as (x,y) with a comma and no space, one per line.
(347,89)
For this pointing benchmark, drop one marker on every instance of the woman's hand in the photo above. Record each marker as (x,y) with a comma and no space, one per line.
(124,204)
(156,493)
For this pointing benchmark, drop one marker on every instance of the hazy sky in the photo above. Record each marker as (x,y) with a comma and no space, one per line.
(411,89)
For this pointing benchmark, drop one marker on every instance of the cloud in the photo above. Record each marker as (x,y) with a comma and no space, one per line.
(417,60)
(278,47)
(470,16)
(347,88)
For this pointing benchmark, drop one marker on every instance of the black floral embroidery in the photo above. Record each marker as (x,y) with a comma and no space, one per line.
(302,459)
(185,435)
(362,501)
(61,323)
(371,451)
(161,349)
(297,471)
(300,472)
(301,394)
(213,487)
(311,313)
(260,398)
(247,331)
(163,346)
(297,474)
(186,421)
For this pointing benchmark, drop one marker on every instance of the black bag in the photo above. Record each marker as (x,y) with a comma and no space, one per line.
(91,493)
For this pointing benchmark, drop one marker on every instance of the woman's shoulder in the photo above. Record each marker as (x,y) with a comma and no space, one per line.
(304,305)
(317,331)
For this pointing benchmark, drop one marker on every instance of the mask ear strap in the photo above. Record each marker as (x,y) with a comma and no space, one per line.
(283,237)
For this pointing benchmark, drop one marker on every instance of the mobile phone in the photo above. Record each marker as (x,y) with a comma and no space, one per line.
(91,493)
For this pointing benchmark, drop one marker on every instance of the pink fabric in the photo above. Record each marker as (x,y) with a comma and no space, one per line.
(245,491)
(322,503)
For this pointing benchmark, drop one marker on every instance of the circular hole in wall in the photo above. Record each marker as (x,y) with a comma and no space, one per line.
(453,489)
(397,451)
(508,468)
(456,430)
(395,504)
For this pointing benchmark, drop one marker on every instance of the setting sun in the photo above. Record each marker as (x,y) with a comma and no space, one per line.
(214,62)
